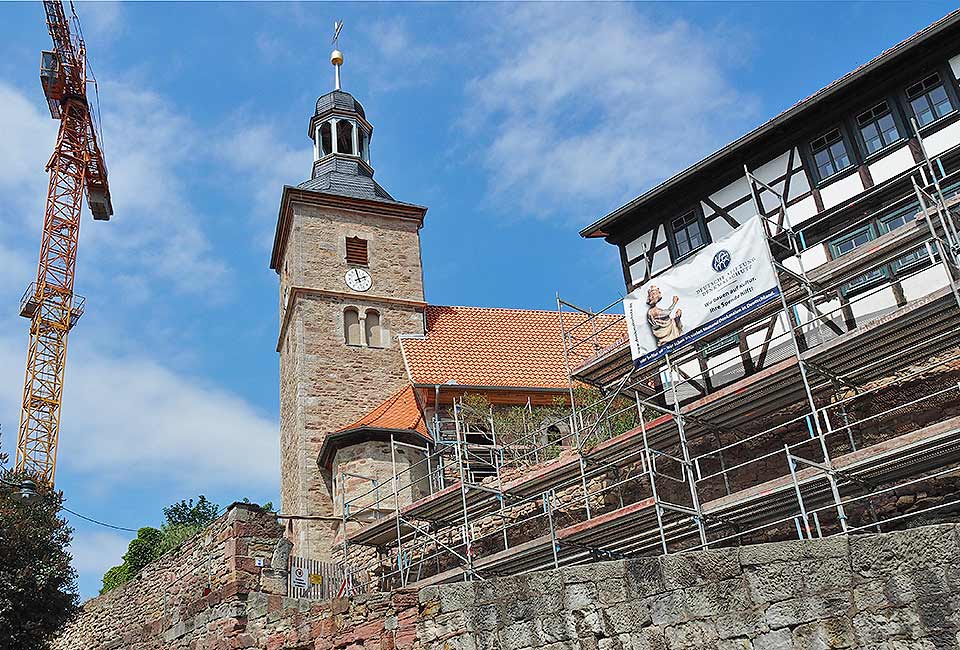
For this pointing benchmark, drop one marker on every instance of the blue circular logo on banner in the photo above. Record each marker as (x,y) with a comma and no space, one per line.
(721,260)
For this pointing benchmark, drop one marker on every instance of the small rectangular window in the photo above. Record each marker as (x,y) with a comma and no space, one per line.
(830,154)
(357,251)
(929,100)
(898,218)
(878,128)
(849,242)
(688,234)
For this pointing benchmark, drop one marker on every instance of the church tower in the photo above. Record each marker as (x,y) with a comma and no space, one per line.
(348,257)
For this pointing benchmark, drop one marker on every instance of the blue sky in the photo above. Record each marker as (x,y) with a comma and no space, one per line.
(515,124)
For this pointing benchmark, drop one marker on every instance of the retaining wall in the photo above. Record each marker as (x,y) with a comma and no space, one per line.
(894,591)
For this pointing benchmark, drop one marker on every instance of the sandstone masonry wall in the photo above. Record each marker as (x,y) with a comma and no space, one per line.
(326,384)
(894,591)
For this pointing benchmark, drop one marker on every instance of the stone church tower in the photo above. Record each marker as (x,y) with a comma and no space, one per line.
(348,257)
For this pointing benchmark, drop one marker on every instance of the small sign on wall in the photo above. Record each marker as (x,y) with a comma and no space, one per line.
(258,561)
(316,579)
(298,578)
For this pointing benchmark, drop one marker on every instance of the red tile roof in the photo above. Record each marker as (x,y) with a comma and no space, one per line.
(489,347)
(400,411)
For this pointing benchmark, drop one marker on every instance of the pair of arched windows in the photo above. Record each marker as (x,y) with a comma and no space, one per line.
(364,331)
(346,135)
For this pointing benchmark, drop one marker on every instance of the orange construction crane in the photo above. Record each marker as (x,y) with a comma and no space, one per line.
(75,167)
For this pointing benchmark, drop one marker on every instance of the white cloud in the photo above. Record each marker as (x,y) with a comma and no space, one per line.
(129,418)
(266,163)
(150,150)
(595,103)
(28,139)
(101,21)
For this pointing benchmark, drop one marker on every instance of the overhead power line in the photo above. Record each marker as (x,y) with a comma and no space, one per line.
(99,523)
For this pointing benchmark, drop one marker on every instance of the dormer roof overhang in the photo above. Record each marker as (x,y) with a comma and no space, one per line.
(373,207)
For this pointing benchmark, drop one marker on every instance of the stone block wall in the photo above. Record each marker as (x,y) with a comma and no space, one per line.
(894,591)
(193,589)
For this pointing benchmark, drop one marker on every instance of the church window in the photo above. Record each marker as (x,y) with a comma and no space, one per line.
(351,327)
(374,330)
(326,139)
(357,251)
(345,137)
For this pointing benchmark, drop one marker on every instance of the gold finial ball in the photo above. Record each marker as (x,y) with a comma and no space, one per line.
(336,57)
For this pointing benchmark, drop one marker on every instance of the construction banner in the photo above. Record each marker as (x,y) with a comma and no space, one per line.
(716,285)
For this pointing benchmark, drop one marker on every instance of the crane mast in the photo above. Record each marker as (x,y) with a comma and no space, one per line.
(76,167)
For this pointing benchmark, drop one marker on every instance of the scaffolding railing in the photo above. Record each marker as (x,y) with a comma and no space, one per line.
(700,469)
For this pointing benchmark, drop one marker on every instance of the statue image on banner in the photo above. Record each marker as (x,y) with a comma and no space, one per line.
(666,326)
(718,284)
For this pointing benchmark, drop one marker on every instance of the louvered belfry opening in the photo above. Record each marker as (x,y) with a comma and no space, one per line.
(356,251)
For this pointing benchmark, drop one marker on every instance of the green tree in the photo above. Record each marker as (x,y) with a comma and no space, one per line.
(186,513)
(38,593)
(182,520)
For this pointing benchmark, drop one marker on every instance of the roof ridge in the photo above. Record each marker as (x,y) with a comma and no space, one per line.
(520,309)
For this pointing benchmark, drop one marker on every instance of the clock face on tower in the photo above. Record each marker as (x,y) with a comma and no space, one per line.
(358,279)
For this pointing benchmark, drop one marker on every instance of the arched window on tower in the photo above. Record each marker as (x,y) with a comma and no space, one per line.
(352,334)
(326,139)
(345,137)
(374,331)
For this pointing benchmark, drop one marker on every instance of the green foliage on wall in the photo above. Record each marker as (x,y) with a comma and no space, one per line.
(598,419)
(182,520)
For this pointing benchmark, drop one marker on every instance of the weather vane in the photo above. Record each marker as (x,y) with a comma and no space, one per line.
(336,57)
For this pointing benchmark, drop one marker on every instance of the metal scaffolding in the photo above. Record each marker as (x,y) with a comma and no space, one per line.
(818,413)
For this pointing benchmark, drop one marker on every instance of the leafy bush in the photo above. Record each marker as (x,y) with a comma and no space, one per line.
(182,520)
(115,577)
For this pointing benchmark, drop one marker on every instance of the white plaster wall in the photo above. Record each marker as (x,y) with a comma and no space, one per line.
(718,228)
(813,257)
(727,365)
(661,260)
(637,271)
(768,172)
(638,245)
(840,190)
(780,338)
(874,303)
(895,162)
(802,210)
(744,212)
(731,192)
(925,282)
(946,138)
(769,199)
(955,64)
(798,183)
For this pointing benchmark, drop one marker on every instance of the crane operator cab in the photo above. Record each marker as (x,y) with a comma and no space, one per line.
(53,80)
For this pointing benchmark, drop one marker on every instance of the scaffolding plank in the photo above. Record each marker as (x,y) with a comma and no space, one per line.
(382,532)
